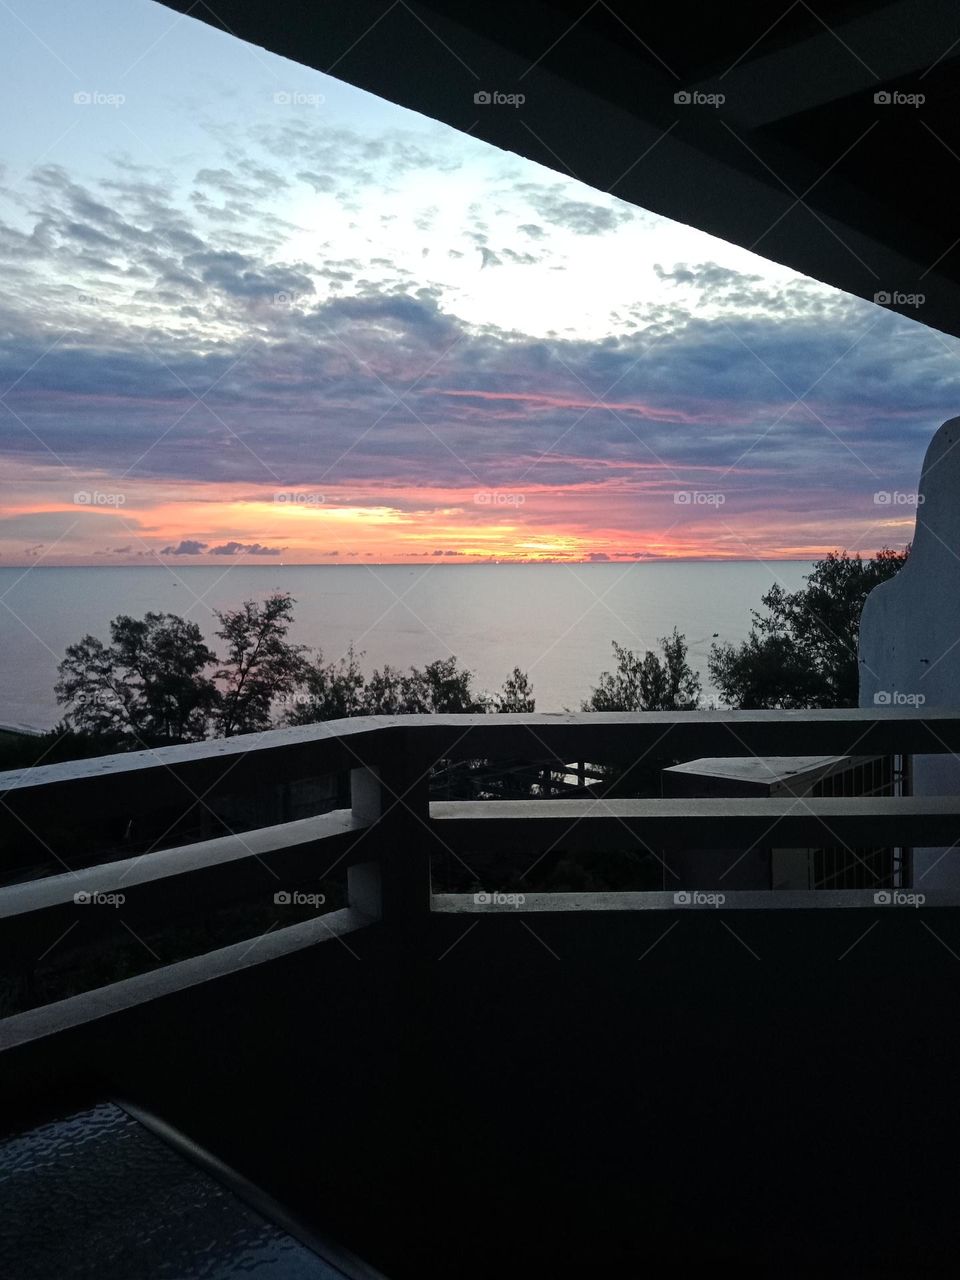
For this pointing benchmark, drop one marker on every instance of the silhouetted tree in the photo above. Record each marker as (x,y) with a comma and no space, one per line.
(261,664)
(329,691)
(332,690)
(516,694)
(443,687)
(803,653)
(147,687)
(649,683)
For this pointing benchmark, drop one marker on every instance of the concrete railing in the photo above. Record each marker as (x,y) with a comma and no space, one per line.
(388,836)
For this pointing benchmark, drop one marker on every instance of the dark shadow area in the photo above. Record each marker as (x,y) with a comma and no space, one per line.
(620,1094)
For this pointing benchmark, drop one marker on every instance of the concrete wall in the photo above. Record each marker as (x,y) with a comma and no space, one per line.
(910,633)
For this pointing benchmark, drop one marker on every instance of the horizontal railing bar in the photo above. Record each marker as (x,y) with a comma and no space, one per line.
(302,836)
(341,744)
(692,900)
(177,775)
(689,735)
(175,885)
(35,1025)
(780,822)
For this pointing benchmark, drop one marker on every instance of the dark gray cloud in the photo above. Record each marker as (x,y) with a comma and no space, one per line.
(245,549)
(186,547)
(194,547)
(239,275)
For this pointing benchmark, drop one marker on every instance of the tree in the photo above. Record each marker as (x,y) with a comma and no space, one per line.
(516,695)
(649,683)
(804,652)
(331,691)
(148,687)
(338,689)
(441,687)
(261,664)
(386,693)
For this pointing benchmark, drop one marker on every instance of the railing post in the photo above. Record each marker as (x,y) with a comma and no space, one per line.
(396,887)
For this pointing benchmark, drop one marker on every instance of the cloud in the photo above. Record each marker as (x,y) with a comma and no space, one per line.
(389,389)
(241,276)
(186,547)
(321,182)
(522,259)
(578,216)
(245,549)
(194,547)
(154,344)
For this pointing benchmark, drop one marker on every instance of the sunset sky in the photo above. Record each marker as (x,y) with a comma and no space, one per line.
(249,311)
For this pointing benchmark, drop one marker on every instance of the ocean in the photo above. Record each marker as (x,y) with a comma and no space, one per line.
(555,622)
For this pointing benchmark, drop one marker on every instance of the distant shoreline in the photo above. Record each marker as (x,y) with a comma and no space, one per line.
(452,563)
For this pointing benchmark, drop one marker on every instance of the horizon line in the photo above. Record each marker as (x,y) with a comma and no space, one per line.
(447,563)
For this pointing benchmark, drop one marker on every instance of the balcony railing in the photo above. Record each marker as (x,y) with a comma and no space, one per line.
(386,839)
(398,1068)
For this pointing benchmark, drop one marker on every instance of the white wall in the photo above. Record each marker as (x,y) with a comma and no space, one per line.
(910,633)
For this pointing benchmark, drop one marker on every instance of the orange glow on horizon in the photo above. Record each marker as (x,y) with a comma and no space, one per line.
(611,519)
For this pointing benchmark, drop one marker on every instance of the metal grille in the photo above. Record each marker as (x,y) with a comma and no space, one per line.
(839,867)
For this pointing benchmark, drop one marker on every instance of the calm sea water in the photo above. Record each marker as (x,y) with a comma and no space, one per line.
(556,622)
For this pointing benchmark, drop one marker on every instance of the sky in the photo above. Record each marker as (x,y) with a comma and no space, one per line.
(252,313)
